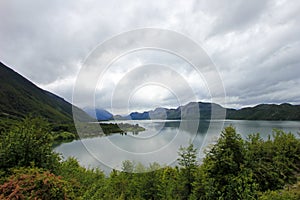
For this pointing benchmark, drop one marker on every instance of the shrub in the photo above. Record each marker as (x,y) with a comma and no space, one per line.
(35,183)
(29,141)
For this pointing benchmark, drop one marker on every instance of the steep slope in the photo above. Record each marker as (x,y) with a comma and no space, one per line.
(20,97)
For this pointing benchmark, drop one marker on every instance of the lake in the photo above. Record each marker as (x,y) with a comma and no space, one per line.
(161,141)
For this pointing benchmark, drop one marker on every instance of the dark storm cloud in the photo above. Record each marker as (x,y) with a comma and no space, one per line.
(254,44)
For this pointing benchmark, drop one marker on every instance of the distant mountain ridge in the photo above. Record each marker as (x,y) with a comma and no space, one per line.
(98,113)
(192,110)
(20,97)
(283,111)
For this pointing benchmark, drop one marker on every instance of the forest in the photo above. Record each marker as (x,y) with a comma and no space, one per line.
(233,168)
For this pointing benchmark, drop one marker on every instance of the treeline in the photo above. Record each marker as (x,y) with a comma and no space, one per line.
(232,169)
(62,133)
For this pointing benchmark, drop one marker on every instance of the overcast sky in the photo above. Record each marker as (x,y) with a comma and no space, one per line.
(255,46)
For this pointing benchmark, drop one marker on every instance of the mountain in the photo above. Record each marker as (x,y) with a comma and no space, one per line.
(98,113)
(138,116)
(202,110)
(192,110)
(283,111)
(19,97)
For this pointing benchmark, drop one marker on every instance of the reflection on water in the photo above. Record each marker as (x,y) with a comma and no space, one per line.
(161,141)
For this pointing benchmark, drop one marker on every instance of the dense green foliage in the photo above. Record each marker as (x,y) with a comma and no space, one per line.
(274,162)
(28,143)
(288,193)
(232,169)
(225,170)
(120,128)
(187,161)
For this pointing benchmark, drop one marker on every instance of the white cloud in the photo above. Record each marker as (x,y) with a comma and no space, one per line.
(254,44)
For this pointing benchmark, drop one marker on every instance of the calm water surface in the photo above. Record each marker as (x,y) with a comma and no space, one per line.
(161,141)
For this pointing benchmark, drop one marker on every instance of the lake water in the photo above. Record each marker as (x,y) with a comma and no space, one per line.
(161,141)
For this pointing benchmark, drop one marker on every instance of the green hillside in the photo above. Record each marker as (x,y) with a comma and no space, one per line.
(20,97)
(266,112)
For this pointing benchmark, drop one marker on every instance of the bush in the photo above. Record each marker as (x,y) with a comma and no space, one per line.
(64,136)
(290,193)
(35,183)
(28,143)
(84,180)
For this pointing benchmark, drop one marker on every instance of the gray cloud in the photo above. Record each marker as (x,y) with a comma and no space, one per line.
(235,15)
(254,44)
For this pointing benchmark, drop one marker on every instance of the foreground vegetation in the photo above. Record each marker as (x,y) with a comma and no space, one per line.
(232,169)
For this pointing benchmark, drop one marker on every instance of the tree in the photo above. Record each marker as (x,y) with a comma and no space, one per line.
(85,181)
(274,162)
(28,143)
(225,174)
(149,182)
(169,184)
(188,163)
(199,184)
(127,166)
